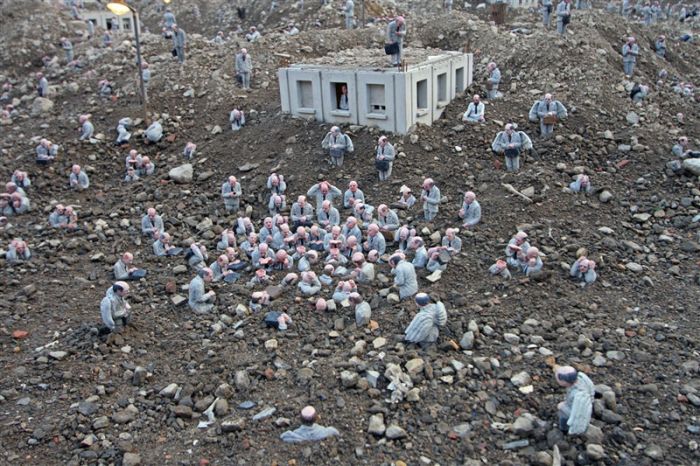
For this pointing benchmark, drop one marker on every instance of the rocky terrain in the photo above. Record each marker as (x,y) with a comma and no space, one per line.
(485,393)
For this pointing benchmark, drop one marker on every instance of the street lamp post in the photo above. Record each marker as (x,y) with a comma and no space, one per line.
(363,13)
(120,8)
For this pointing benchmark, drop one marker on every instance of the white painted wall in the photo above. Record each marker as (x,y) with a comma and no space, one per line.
(100,18)
(409,97)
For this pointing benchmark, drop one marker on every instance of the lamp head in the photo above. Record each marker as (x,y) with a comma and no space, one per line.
(119,7)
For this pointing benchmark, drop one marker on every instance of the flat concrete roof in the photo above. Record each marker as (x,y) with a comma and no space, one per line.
(374,59)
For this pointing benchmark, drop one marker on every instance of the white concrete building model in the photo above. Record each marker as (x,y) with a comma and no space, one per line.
(388,98)
(98,13)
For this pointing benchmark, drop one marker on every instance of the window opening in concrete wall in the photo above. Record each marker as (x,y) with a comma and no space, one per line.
(442,87)
(126,24)
(377,100)
(422,94)
(459,80)
(109,24)
(305,92)
(341,98)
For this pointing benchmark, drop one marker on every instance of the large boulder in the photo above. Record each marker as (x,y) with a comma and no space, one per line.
(692,166)
(41,105)
(181,174)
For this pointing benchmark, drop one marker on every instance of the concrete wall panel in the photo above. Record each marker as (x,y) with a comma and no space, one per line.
(469,58)
(301,102)
(422,105)
(402,97)
(284,90)
(443,89)
(368,102)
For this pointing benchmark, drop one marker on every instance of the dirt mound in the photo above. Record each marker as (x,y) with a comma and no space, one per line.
(70,397)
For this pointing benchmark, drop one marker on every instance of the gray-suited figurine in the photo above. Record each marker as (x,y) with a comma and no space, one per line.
(201,302)
(338,144)
(563,16)
(404,276)
(425,326)
(309,431)
(179,40)
(395,33)
(244,68)
(430,196)
(231,193)
(583,270)
(384,158)
(630,52)
(549,112)
(575,412)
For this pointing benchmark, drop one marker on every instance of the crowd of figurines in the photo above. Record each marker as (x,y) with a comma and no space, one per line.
(309,242)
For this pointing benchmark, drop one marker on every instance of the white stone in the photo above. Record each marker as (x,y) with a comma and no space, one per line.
(41,105)
(520,379)
(415,366)
(271,344)
(692,166)
(379,342)
(634,267)
(395,432)
(182,174)
(178,299)
(376,424)
(58,355)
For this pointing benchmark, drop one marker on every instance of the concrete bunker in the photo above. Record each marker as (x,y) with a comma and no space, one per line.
(357,87)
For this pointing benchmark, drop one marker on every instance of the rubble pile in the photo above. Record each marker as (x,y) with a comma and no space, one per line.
(221,388)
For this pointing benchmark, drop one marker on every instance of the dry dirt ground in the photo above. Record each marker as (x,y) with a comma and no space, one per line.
(635,332)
